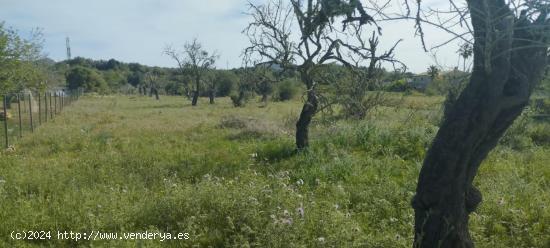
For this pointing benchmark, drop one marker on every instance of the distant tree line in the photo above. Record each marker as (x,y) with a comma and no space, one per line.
(112,76)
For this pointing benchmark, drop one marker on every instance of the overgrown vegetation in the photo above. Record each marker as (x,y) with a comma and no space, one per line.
(230,177)
(235,178)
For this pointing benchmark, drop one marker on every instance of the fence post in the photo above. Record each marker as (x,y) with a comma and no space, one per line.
(51,112)
(6,121)
(55,102)
(46,106)
(39,109)
(30,112)
(19,111)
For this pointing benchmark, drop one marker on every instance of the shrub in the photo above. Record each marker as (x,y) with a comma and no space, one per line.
(287,90)
(225,81)
(399,86)
(240,99)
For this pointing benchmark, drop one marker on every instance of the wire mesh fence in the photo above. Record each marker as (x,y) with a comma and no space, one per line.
(21,113)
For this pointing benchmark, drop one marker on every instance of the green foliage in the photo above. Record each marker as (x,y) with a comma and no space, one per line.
(439,86)
(433,71)
(90,80)
(107,168)
(526,133)
(287,90)
(226,81)
(400,85)
(22,64)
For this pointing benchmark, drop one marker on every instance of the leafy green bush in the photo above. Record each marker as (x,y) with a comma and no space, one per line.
(399,86)
(287,90)
(226,81)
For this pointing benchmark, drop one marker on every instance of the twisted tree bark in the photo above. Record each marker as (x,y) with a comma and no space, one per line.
(308,111)
(510,57)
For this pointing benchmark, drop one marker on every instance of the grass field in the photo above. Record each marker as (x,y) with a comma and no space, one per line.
(229,177)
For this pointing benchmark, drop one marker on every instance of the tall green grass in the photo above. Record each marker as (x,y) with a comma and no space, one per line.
(131,164)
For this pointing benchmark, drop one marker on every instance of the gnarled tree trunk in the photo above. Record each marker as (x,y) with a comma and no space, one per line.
(308,111)
(508,62)
(195,98)
(156,93)
(212,96)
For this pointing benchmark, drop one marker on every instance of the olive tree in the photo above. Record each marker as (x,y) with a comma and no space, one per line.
(320,24)
(152,78)
(195,60)
(510,42)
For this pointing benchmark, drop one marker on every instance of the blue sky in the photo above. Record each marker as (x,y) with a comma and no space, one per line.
(138,30)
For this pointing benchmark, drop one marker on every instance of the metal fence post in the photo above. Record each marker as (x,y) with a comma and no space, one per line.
(19,111)
(30,112)
(6,121)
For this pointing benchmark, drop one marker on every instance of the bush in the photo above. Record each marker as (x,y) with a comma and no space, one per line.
(399,86)
(225,82)
(287,90)
(240,99)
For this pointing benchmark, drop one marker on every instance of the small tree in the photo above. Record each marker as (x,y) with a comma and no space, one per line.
(152,77)
(194,60)
(211,85)
(179,57)
(245,87)
(465,51)
(266,79)
(318,42)
(433,71)
(354,95)
(19,60)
